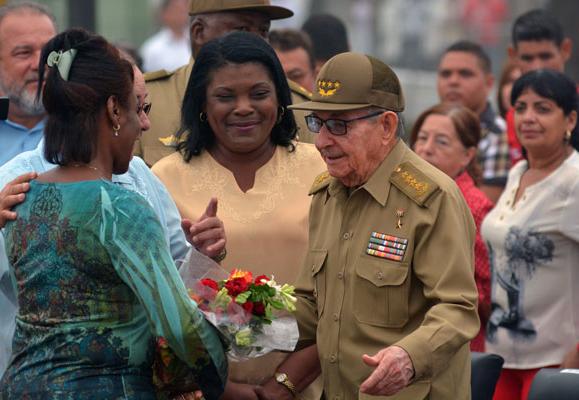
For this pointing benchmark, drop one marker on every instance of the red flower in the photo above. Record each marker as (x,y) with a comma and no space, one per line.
(236,286)
(239,273)
(259,308)
(248,306)
(210,283)
(259,279)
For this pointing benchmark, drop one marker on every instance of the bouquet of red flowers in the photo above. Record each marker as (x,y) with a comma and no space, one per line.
(253,315)
(249,312)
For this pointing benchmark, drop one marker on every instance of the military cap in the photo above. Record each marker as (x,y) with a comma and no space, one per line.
(351,81)
(263,6)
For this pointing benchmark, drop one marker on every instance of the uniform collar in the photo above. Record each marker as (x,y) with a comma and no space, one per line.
(378,186)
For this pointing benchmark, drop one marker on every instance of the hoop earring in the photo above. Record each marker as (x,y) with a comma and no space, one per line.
(568,136)
(203,116)
(116,129)
(280,114)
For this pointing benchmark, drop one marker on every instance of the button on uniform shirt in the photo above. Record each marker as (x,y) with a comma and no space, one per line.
(16,139)
(391,263)
(138,179)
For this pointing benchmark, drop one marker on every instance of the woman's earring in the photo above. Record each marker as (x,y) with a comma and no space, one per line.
(203,117)
(116,129)
(568,136)
(280,114)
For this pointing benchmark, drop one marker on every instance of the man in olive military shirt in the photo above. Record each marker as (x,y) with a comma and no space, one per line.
(387,291)
(210,19)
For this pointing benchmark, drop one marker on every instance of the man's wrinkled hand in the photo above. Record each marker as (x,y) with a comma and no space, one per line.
(207,234)
(13,194)
(393,372)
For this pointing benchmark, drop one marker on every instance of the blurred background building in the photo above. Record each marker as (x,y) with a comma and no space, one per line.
(407,34)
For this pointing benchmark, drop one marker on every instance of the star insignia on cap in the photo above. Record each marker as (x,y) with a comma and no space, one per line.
(328,88)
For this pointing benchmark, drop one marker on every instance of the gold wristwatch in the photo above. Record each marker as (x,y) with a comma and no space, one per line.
(283,379)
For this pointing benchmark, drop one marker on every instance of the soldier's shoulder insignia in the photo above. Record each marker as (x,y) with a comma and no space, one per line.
(299,90)
(169,141)
(321,181)
(413,183)
(157,75)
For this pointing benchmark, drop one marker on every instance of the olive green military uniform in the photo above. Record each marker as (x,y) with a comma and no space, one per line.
(391,261)
(299,95)
(166,93)
(416,290)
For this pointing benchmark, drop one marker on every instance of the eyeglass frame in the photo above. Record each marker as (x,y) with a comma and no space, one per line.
(344,121)
(144,107)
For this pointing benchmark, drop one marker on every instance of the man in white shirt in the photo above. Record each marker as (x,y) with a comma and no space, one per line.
(169,48)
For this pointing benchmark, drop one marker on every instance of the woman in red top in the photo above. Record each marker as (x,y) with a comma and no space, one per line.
(447,137)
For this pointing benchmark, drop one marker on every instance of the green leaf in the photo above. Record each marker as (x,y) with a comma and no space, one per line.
(242,297)
(277,304)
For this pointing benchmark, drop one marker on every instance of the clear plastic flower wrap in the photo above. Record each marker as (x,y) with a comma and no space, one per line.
(252,314)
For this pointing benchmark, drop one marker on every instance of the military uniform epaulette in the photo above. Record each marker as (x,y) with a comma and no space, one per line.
(158,75)
(169,141)
(321,181)
(413,183)
(299,90)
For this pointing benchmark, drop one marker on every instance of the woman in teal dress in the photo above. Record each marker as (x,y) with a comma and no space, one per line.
(95,280)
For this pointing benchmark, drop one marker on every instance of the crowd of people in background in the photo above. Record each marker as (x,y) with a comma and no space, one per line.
(283,152)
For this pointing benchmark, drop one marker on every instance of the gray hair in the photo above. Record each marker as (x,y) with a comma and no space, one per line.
(27,6)
(400,130)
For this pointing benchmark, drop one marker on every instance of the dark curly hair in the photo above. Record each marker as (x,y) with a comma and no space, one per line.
(235,48)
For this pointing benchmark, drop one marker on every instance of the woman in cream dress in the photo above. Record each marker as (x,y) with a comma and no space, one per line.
(237,144)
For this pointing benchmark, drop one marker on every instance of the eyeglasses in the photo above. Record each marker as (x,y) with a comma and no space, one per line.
(145,107)
(337,127)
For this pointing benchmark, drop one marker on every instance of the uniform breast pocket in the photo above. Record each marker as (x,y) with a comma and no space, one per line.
(381,291)
(317,260)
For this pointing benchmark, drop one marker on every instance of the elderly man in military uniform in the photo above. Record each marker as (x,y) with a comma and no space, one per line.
(387,291)
(210,19)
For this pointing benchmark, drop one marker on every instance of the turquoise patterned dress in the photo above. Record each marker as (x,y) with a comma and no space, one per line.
(96,284)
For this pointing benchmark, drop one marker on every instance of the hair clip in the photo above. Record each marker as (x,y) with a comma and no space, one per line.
(62,60)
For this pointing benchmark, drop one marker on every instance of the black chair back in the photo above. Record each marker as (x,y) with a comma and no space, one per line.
(485,371)
(552,383)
